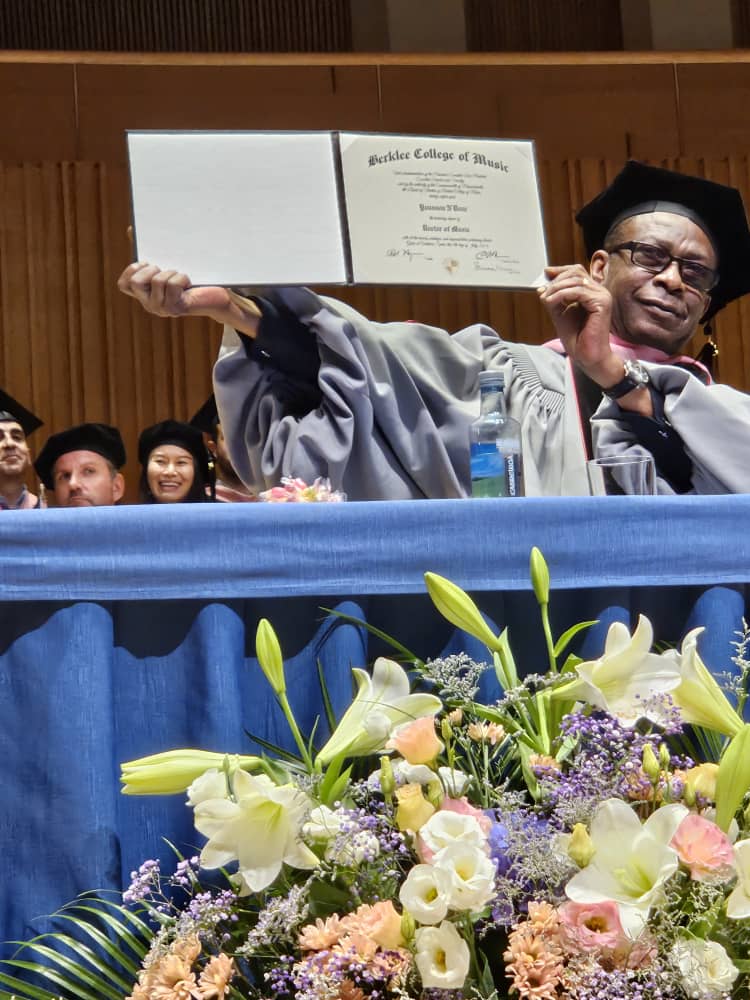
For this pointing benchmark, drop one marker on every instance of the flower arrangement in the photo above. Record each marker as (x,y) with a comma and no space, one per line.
(297,491)
(587,837)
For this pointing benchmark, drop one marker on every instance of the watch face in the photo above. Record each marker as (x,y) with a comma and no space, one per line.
(636,373)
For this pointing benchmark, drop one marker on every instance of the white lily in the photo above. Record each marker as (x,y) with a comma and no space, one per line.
(625,678)
(631,861)
(384,700)
(738,904)
(260,828)
(699,698)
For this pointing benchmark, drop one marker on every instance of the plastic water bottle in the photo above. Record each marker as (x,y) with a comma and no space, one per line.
(495,439)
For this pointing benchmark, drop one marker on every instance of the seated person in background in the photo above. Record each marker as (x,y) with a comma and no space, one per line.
(175,464)
(308,387)
(16,423)
(228,487)
(81,466)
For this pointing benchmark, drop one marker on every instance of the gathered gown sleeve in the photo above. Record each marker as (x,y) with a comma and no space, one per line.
(382,410)
(712,421)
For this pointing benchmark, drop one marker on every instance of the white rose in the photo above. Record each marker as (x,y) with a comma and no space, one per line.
(442,957)
(446,827)
(707,971)
(424,893)
(472,875)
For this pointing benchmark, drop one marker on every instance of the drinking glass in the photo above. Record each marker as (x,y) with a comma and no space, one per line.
(616,475)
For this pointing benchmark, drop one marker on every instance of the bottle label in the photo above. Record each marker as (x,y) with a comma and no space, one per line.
(494,474)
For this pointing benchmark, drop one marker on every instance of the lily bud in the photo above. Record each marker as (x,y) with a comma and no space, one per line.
(173,771)
(581,847)
(733,777)
(458,608)
(435,793)
(539,576)
(664,756)
(446,729)
(268,651)
(650,764)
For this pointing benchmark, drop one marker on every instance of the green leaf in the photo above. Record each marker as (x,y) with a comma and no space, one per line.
(24,991)
(404,653)
(325,695)
(570,634)
(733,778)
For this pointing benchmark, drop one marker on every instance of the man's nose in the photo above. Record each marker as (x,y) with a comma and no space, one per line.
(671,276)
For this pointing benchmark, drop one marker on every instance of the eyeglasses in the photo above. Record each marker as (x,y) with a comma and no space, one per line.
(657,259)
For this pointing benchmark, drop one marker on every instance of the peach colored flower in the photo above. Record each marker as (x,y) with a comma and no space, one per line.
(380,921)
(357,945)
(417,741)
(534,959)
(485,732)
(188,949)
(703,848)
(214,980)
(322,934)
(586,927)
(543,762)
(171,979)
(543,916)
(413,809)
(463,807)
(701,780)
(456,717)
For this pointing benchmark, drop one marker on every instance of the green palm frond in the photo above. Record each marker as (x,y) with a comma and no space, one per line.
(97,956)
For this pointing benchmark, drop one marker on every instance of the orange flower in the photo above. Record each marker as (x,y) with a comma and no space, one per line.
(380,921)
(322,934)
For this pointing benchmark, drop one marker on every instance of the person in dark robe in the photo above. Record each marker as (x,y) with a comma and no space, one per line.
(16,424)
(81,466)
(175,464)
(228,487)
(307,387)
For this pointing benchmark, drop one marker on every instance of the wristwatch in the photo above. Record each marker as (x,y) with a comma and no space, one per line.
(635,377)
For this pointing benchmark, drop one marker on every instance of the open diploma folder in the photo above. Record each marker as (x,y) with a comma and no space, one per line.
(271,208)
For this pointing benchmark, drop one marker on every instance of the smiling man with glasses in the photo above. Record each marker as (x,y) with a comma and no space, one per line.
(306,386)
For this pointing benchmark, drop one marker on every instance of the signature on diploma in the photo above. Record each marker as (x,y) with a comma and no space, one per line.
(408,254)
(487,260)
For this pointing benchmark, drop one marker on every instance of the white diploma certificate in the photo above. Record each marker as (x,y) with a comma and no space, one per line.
(264,208)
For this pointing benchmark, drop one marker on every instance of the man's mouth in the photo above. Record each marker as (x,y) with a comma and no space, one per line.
(662,307)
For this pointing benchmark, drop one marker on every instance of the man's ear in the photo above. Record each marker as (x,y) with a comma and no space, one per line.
(599,266)
(118,487)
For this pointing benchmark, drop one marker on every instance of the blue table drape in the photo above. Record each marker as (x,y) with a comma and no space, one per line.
(125,631)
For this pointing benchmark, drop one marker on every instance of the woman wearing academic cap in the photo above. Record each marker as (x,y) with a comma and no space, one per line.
(175,464)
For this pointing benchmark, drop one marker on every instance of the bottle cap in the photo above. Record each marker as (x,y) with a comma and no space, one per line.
(492,378)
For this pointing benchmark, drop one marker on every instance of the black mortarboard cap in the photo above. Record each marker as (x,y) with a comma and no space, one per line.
(716,208)
(174,432)
(207,417)
(11,409)
(102,439)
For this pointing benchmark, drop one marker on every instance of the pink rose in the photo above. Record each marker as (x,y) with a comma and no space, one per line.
(587,927)
(703,848)
(417,741)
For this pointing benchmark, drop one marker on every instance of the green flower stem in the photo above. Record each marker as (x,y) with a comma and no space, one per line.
(301,745)
(544,611)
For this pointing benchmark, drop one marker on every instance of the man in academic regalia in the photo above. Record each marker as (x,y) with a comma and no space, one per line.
(82,466)
(308,387)
(16,424)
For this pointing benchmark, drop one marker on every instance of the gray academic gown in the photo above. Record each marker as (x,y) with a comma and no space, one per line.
(394,403)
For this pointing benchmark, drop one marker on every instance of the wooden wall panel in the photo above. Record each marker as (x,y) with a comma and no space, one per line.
(541,26)
(714,98)
(177,25)
(114,98)
(37,112)
(576,110)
